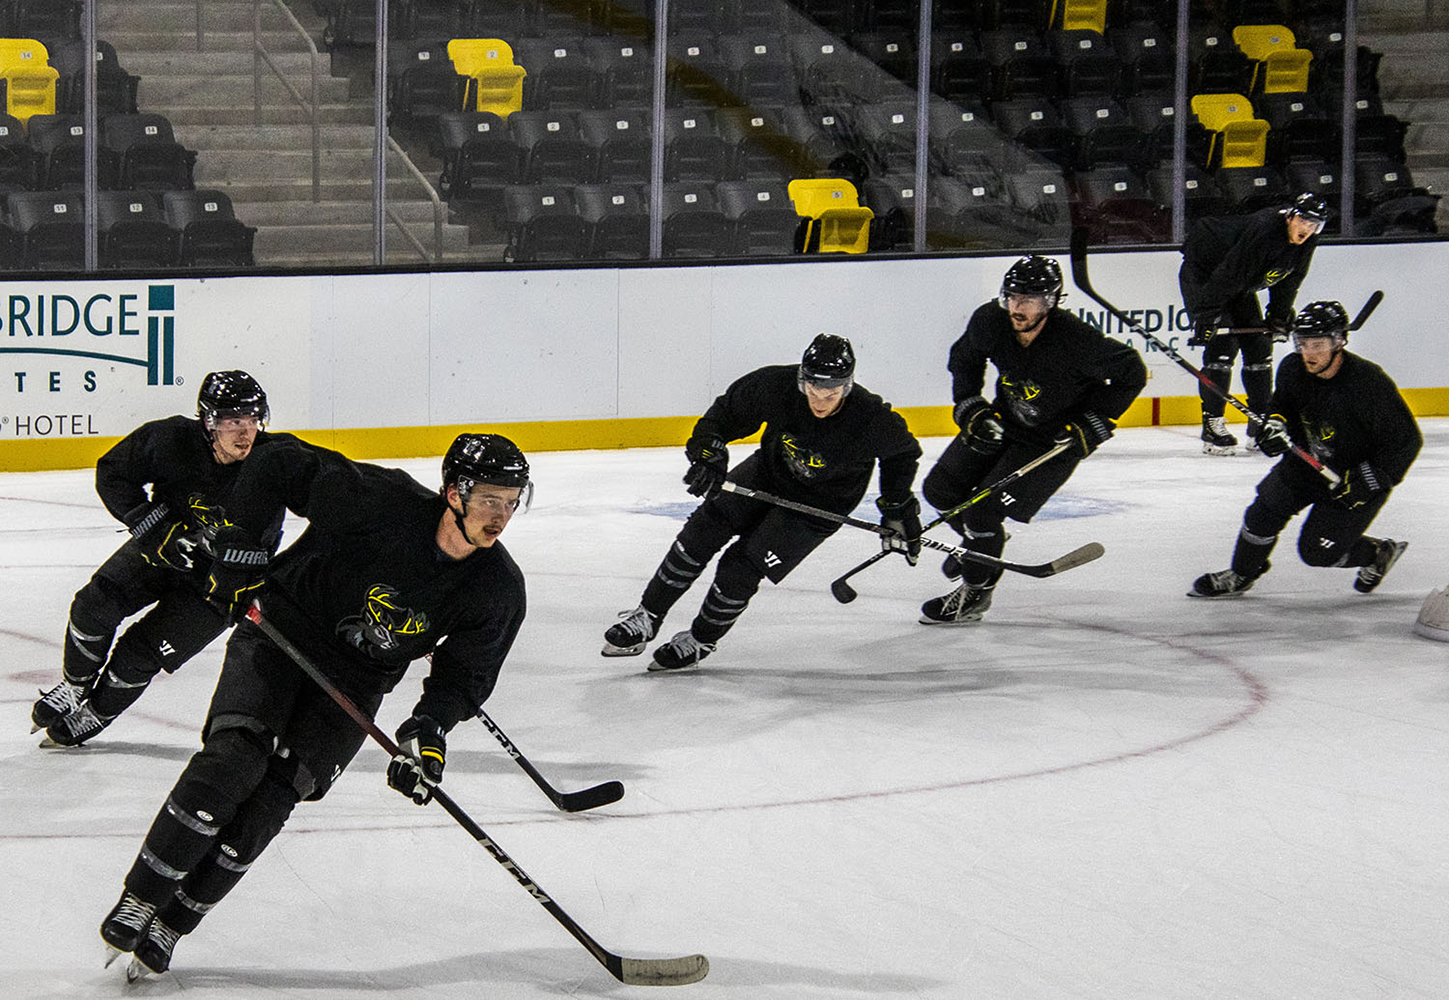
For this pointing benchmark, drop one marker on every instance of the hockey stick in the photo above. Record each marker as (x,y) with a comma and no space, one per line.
(1079,276)
(633,971)
(586,798)
(1369,306)
(845,593)
(1074,558)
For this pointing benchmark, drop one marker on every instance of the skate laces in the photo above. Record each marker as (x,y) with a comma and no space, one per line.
(687,647)
(163,937)
(1225,579)
(83,720)
(134,912)
(64,698)
(636,624)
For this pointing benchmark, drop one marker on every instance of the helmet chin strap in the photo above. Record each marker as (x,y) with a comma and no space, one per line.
(458,516)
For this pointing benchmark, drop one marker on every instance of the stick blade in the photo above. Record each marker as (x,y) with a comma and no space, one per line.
(1077,557)
(843,592)
(662,971)
(591,798)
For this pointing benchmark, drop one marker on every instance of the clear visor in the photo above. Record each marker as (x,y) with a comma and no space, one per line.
(1332,339)
(467,489)
(236,419)
(1026,301)
(1314,226)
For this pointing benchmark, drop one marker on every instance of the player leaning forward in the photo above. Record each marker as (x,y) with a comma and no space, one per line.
(386,573)
(823,436)
(1347,413)
(1059,380)
(190,466)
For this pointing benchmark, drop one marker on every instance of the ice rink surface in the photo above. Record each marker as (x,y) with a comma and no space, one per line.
(1103,791)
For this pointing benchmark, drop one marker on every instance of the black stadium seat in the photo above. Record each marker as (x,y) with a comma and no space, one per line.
(132,231)
(211,235)
(146,154)
(616,221)
(48,229)
(542,223)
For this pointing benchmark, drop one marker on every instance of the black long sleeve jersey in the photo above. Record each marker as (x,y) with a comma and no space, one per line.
(173,457)
(1227,256)
(823,462)
(1356,416)
(367,587)
(1068,369)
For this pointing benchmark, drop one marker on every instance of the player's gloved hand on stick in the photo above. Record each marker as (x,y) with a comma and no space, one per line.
(1360,484)
(1203,330)
(418,766)
(903,519)
(981,426)
(1273,437)
(1280,323)
(1084,433)
(160,534)
(238,570)
(709,460)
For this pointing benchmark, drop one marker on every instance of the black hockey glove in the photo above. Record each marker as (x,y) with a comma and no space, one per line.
(1273,437)
(1360,484)
(237,572)
(1203,330)
(418,766)
(1280,323)
(903,519)
(984,432)
(709,460)
(161,537)
(1085,433)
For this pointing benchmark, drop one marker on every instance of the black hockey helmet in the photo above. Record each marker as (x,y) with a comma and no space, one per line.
(1322,319)
(1311,207)
(828,363)
(486,458)
(230,394)
(1033,275)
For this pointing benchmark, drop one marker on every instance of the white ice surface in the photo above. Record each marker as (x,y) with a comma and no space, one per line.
(1105,790)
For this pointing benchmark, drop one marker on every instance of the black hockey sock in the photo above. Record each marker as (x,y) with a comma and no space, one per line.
(735,582)
(84,652)
(1250,554)
(1219,374)
(674,576)
(985,533)
(1258,386)
(113,694)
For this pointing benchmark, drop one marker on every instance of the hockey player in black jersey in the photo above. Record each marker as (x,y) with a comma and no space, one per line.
(1348,414)
(386,573)
(1058,380)
(190,466)
(823,436)
(1225,262)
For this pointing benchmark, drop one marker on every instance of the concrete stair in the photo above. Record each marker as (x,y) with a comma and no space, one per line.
(266,170)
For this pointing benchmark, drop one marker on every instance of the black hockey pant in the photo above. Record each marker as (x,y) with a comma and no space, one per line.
(179,625)
(961,471)
(1332,534)
(272,739)
(1257,352)
(769,542)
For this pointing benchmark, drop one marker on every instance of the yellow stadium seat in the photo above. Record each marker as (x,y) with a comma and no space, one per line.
(837,220)
(1279,66)
(1238,138)
(29,79)
(1077,14)
(495,82)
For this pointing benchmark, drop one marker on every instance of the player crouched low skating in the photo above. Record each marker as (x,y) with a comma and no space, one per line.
(178,531)
(1347,414)
(387,572)
(823,435)
(1059,382)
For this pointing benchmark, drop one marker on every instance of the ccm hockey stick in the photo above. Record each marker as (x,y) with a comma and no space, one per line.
(1074,558)
(633,971)
(845,593)
(1079,276)
(585,798)
(1369,306)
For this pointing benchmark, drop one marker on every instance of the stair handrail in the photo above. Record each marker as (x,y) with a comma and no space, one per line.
(439,212)
(260,55)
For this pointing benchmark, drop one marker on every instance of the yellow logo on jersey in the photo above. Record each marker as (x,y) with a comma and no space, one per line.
(1026,389)
(1276,275)
(802,461)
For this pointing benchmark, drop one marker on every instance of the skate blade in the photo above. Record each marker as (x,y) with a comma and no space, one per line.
(112,953)
(137,971)
(968,620)
(1216,597)
(34,728)
(1219,449)
(612,650)
(655,667)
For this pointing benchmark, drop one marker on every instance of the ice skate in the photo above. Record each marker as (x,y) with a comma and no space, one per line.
(75,728)
(631,633)
(964,604)
(1215,437)
(153,954)
(56,704)
(1224,583)
(125,926)
(1384,558)
(684,650)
